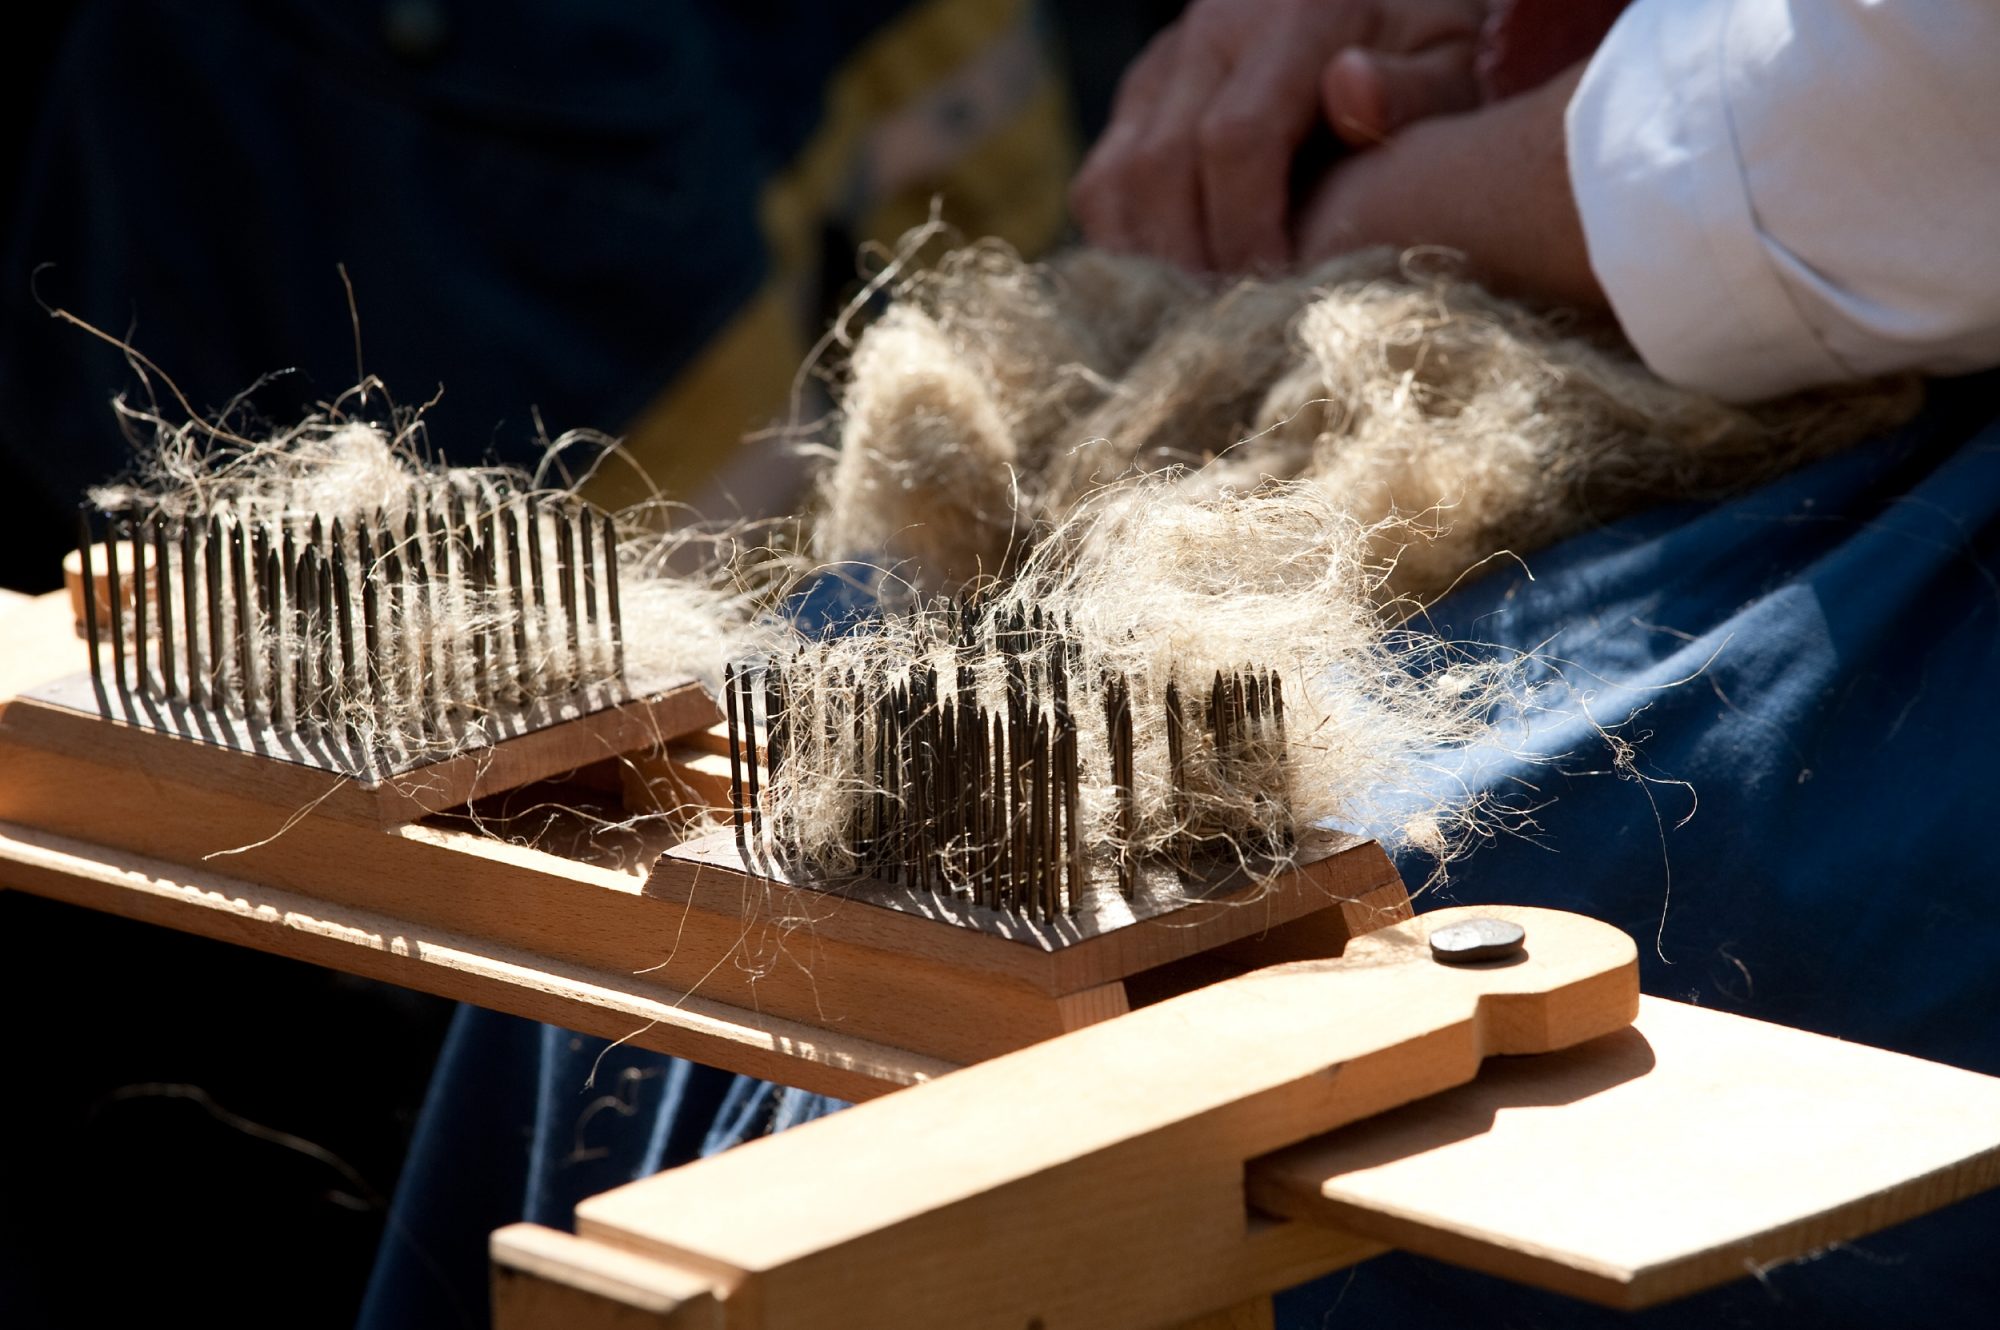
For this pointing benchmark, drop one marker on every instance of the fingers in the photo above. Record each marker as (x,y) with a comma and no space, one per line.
(1098,193)
(1163,206)
(1197,164)
(1246,141)
(1139,190)
(1492,184)
(1369,95)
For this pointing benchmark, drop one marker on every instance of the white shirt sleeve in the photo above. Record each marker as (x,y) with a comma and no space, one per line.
(1777,194)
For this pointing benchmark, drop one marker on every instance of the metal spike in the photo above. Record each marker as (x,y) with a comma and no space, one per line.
(1017,830)
(566,588)
(113,536)
(88,558)
(371,613)
(447,571)
(774,722)
(139,616)
(481,584)
(295,630)
(1128,810)
(587,539)
(750,750)
(212,557)
(343,607)
(417,608)
(1071,799)
(190,614)
(533,539)
(326,636)
(1039,829)
(1177,773)
(617,620)
(306,658)
(239,579)
(510,529)
(264,582)
(163,583)
(735,751)
(265,579)
(390,682)
(499,609)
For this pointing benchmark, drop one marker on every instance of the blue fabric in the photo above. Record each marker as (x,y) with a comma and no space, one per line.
(1815,661)
(1806,671)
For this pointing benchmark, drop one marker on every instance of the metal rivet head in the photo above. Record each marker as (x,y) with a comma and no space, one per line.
(1480,939)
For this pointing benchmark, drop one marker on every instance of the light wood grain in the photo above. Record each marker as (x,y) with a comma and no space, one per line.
(710,872)
(544,1279)
(794,956)
(1097,1180)
(29,722)
(525,980)
(38,643)
(788,959)
(782,960)
(1687,1151)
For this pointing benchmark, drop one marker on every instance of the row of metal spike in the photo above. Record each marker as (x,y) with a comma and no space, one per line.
(956,797)
(392,628)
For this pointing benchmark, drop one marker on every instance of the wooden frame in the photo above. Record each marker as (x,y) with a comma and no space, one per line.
(1154,1129)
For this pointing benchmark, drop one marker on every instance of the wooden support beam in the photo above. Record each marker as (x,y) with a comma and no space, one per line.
(1098,1180)
(1691,1149)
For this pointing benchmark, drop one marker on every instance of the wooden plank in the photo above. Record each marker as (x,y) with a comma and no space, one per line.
(744,950)
(38,643)
(685,780)
(1689,1150)
(284,775)
(1097,1180)
(515,898)
(521,980)
(798,956)
(544,1279)
(1058,956)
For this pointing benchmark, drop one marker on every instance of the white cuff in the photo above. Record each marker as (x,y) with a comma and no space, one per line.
(1667,213)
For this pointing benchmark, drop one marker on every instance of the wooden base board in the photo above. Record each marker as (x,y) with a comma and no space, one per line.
(194,747)
(1692,1149)
(919,986)
(1098,1180)
(524,980)
(1111,940)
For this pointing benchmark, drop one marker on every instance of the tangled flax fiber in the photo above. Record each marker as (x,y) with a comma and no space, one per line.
(994,397)
(1147,586)
(1271,474)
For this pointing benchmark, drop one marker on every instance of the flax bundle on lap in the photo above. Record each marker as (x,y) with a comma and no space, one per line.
(993,396)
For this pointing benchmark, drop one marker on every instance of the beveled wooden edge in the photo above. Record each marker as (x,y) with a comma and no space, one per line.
(608,1004)
(1695,1148)
(1125,1140)
(544,1278)
(608,732)
(707,872)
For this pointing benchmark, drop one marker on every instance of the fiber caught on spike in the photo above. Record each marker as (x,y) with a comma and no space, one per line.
(1165,680)
(334,581)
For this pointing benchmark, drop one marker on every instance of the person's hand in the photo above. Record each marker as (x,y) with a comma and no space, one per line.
(1196,163)
(1492,184)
